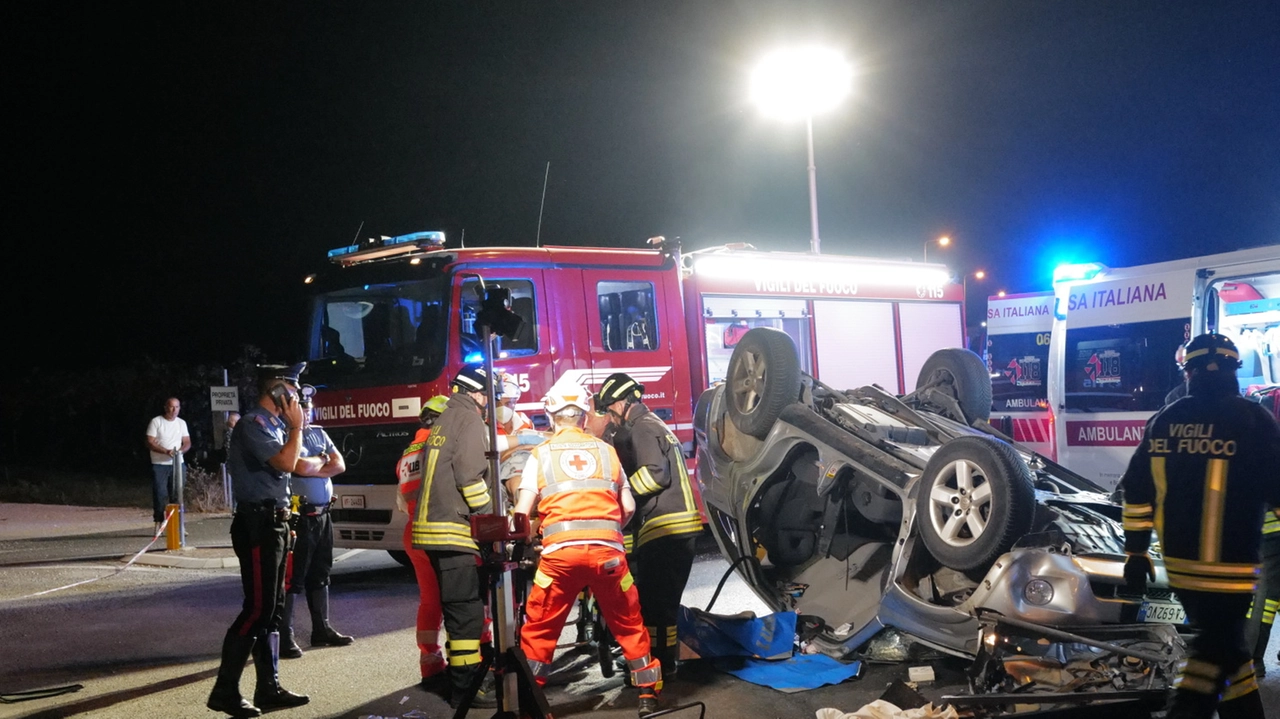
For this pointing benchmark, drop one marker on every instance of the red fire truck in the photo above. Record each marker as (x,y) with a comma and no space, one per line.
(393,319)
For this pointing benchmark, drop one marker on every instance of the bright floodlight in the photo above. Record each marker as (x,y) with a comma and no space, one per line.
(799,83)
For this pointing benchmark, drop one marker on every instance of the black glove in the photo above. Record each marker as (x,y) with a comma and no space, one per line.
(1137,569)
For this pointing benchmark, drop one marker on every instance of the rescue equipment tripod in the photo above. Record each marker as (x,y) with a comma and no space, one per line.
(516,686)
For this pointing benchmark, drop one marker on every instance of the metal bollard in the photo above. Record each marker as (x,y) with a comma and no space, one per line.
(173,530)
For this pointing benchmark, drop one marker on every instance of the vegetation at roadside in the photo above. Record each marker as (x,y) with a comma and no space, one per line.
(203,489)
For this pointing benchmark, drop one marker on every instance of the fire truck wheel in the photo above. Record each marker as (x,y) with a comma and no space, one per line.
(401,556)
(963,375)
(763,377)
(974,501)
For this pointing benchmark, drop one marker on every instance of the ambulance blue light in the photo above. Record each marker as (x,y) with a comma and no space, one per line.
(340,251)
(473,358)
(1077,272)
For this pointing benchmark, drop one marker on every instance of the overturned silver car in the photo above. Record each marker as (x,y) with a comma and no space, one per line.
(866,512)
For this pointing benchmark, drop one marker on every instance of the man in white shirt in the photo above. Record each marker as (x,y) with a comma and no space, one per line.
(167,439)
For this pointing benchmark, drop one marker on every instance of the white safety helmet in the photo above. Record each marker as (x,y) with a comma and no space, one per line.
(510,389)
(566,393)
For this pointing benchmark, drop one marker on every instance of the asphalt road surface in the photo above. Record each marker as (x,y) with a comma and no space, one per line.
(142,640)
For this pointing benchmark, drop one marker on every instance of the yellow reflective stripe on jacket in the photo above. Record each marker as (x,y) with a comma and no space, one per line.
(642,483)
(1160,481)
(1215,498)
(476,494)
(1138,517)
(1271,521)
(670,524)
(1199,676)
(1211,576)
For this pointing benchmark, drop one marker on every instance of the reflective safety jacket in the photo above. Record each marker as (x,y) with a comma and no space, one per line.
(656,471)
(409,468)
(454,479)
(1205,472)
(579,489)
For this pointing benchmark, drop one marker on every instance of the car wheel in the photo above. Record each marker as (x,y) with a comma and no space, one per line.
(975,500)
(401,556)
(764,377)
(964,376)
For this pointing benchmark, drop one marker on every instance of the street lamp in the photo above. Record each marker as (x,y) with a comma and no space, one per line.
(941,242)
(799,83)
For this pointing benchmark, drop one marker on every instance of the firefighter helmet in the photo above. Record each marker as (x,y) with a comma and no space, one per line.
(1211,352)
(433,408)
(617,386)
(564,394)
(471,378)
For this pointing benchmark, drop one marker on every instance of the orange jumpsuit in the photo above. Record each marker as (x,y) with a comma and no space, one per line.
(578,480)
(430,616)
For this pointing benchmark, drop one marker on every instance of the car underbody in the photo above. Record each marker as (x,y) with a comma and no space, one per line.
(867,512)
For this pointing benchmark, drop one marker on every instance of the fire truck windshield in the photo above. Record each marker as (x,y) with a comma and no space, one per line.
(378,334)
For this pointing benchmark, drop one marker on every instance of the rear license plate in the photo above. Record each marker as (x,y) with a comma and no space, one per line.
(1162,612)
(352,501)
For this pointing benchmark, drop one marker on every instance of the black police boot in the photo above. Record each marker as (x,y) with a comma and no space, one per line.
(289,649)
(323,635)
(269,694)
(225,696)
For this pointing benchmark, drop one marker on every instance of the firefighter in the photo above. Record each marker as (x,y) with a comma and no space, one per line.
(1202,478)
(667,521)
(267,449)
(455,485)
(431,664)
(1269,591)
(576,483)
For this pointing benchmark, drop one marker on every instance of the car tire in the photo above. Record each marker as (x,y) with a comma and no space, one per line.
(401,557)
(975,500)
(967,377)
(763,377)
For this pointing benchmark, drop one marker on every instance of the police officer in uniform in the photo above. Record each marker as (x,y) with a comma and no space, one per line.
(576,483)
(667,521)
(266,451)
(1201,478)
(313,529)
(454,486)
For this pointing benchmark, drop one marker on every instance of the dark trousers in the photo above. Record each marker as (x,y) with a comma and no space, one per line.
(460,600)
(1265,600)
(1217,655)
(312,553)
(260,539)
(661,568)
(162,490)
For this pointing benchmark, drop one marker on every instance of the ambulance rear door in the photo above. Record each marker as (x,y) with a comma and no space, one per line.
(1017,354)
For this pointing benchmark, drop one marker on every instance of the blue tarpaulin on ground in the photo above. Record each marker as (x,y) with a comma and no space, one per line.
(800,672)
(742,635)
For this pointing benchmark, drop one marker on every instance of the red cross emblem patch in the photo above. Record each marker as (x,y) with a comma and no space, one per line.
(577,464)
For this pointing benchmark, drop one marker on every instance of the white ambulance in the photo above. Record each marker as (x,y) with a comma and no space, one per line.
(1116,332)
(1017,354)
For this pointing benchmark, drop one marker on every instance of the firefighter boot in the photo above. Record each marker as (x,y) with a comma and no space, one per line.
(225,696)
(323,635)
(463,679)
(665,649)
(289,649)
(269,694)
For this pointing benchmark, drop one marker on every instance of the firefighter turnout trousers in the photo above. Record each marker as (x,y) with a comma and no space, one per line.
(564,573)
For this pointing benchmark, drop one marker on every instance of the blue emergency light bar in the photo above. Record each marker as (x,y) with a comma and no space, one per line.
(1075,273)
(425,240)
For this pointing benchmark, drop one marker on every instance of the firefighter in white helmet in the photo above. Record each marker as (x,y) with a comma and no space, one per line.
(575,482)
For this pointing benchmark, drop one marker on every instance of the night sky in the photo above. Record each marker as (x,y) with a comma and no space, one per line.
(176,168)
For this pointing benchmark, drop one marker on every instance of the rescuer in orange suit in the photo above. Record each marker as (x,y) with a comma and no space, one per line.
(575,482)
(430,617)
